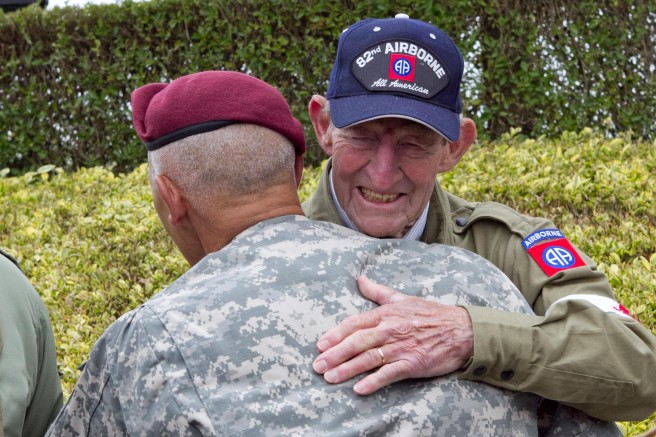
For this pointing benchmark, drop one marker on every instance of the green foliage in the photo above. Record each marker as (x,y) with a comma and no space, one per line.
(93,247)
(309,181)
(66,74)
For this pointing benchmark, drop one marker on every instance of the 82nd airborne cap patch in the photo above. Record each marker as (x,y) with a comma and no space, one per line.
(400,66)
(397,68)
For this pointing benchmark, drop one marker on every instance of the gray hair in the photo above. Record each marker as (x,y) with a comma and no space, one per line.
(236,160)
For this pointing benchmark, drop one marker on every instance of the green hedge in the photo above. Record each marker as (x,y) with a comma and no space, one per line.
(92,245)
(545,67)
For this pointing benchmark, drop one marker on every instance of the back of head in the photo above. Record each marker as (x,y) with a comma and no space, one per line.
(218,132)
(238,160)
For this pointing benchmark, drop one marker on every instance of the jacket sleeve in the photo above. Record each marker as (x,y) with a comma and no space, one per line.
(30,393)
(599,363)
(134,381)
(47,399)
(580,348)
(93,408)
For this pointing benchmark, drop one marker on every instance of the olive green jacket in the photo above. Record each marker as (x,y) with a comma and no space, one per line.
(2,432)
(30,388)
(603,364)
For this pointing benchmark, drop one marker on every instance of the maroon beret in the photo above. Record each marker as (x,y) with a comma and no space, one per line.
(206,101)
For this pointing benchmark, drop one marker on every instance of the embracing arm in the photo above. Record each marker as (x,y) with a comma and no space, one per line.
(561,356)
(582,348)
(600,363)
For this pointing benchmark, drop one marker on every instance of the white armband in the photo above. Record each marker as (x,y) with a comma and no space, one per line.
(605,304)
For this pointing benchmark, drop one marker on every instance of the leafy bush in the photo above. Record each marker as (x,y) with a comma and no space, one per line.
(545,67)
(93,247)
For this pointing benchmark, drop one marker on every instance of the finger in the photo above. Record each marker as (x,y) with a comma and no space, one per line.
(352,350)
(347,327)
(378,293)
(386,375)
(366,361)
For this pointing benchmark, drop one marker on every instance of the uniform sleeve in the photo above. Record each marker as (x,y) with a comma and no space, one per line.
(31,390)
(47,399)
(135,381)
(576,350)
(599,363)
(94,407)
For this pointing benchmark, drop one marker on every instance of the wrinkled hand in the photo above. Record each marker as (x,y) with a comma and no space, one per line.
(418,338)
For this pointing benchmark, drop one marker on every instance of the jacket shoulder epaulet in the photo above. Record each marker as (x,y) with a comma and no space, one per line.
(467,213)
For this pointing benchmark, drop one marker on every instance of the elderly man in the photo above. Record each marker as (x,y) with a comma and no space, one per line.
(391,122)
(227,348)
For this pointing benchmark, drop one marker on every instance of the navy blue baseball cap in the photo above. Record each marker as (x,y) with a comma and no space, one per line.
(397,67)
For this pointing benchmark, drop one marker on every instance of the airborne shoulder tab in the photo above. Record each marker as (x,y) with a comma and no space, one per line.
(552,251)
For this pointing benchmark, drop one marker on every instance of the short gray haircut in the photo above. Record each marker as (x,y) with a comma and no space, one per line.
(236,160)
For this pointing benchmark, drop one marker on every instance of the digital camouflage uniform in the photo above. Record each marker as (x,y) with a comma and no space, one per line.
(544,355)
(30,389)
(227,349)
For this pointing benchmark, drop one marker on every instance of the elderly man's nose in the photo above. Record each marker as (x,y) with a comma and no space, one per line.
(384,166)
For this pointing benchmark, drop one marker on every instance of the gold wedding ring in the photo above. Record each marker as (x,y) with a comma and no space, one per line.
(382,356)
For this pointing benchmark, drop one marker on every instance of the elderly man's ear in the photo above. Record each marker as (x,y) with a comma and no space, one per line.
(172,198)
(458,148)
(321,123)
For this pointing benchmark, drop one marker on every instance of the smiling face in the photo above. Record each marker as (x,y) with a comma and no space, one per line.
(384,172)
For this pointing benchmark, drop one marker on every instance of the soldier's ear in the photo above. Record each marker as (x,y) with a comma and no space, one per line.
(173,198)
(321,122)
(458,148)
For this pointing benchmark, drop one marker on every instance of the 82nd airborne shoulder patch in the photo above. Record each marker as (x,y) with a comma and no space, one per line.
(552,251)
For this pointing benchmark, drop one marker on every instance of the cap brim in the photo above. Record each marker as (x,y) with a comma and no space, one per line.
(347,111)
